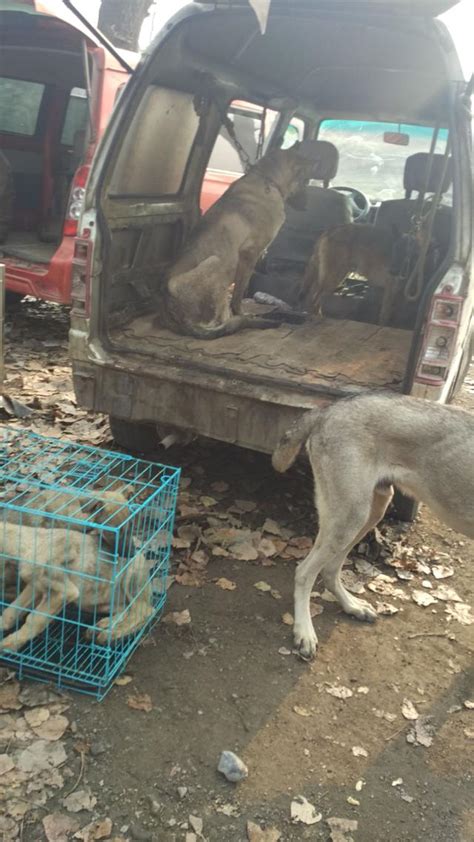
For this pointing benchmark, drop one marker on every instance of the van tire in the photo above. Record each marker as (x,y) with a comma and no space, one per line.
(133,436)
(406,508)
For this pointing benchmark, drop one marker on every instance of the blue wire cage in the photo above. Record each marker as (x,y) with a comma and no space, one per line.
(85,538)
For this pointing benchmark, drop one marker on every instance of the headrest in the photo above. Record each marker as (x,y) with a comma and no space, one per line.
(325,157)
(416,170)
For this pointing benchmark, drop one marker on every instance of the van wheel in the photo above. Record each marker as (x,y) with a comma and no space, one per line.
(406,508)
(133,436)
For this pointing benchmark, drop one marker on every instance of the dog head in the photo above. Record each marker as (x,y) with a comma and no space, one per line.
(291,170)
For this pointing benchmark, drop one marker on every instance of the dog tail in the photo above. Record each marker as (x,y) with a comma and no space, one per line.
(293,440)
(232,325)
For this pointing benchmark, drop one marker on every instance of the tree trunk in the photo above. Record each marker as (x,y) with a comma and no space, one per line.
(121,21)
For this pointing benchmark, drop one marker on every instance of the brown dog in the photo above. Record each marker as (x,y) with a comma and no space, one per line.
(367,250)
(226,244)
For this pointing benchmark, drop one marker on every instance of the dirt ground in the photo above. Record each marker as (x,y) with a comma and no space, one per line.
(228,680)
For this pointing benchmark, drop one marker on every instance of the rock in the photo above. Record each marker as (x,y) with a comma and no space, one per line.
(97,748)
(140,834)
(182,791)
(232,767)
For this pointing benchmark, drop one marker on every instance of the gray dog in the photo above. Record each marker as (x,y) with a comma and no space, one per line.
(359,448)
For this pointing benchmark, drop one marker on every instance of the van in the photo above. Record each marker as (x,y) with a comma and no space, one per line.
(58,86)
(379,84)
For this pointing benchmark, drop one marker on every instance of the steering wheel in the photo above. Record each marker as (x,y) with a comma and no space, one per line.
(360,203)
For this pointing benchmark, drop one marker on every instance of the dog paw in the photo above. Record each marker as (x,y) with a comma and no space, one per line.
(306,642)
(362,610)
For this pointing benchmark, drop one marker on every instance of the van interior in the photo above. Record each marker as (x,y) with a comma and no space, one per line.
(374,92)
(44,119)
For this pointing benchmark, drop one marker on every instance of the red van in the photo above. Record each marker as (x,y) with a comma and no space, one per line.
(58,86)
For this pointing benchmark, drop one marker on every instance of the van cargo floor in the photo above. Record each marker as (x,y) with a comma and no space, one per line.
(320,352)
(25,245)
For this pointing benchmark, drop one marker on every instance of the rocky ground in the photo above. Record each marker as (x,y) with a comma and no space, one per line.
(373,741)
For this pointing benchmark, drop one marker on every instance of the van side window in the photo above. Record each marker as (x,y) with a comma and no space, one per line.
(76,116)
(156,147)
(20,103)
(246,120)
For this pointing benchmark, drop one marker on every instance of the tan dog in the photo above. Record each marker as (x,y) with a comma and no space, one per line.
(367,250)
(359,448)
(226,244)
(63,566)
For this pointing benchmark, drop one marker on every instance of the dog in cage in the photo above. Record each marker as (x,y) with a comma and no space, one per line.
(58,567)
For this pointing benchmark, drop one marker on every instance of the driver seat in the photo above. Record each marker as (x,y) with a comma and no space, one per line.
(325,208)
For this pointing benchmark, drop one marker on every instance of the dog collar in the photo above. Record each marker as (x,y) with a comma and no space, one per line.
(270,183)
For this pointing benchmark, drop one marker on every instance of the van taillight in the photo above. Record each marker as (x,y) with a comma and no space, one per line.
(81,269)
(440,339)
(76,201)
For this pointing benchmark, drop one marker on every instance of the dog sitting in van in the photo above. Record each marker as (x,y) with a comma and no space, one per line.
(195,297)
(368,250)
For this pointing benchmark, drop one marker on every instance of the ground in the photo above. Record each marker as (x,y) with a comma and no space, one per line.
(334,731)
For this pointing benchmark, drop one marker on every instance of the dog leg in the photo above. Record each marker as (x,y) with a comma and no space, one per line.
(133,620)
(332,569)
(24,601)
(304,635)
(246,265)
(35,623)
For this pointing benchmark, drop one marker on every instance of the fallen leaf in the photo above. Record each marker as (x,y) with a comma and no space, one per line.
(190,579)
(95,830)
(358,751)
(40,756)
(208,502)
(264,587)
(219,552)
(338,691)
(469,704)
(178,618)
(36,716)
(257,834)
(352,582)
(225,584)
(52,728)
(386,608)
(123,680)
(446,594)
(245,505)
(244,551)
(275,594)
(442,571)
(220,486)
(409,710)
(422,598)
(58,827)
(422,732)
(469,733)
(140,701)
(287,618)
(315,609)
(284,651)
(9,696)
(9,829)
(301,711)
(271,527)
(267,547)
(301,811)
(339,827)
(6,764)
(81,799)
(461,612)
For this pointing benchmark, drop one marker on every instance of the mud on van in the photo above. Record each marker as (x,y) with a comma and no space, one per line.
(383,88)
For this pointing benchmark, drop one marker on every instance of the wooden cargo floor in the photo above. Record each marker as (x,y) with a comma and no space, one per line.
(324,351)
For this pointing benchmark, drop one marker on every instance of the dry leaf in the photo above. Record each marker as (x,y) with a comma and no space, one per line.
(264,587)
(442,571)
(409,710)
(208,502)
(358,751)
(123,680)
(422,732)
(339,828)
(6,764)
(140,701)
(36,716)
(81,799)
(275,594)
(225,584)
(58,827)
(301,711)
(256,834)
(219,552)
(95,830)
(461,612)
(469,704)
(385,608)
(284,651)
(271,527)
(9,696)
(52,728)
(422,598)
(287,618)
(267,547)
(338,691)
(245,505)
(244,551)
(301,811)
(40,756)
(315,609)
(220,487)
(178,618)
(446,594)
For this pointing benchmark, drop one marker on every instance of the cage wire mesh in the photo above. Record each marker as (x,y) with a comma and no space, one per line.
(85,538)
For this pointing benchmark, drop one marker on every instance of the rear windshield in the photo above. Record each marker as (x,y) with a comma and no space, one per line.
(367,162)
(20,103)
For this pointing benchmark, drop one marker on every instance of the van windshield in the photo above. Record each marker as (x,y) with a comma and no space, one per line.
(370,164)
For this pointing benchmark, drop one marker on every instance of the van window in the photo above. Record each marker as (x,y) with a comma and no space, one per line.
(20,103)
(246,119)
(369,164)
(76,116)
(156,148)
